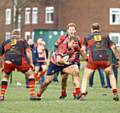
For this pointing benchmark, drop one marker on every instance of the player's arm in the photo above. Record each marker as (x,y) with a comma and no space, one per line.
(59,41)
(29,55)
(116,53)
(83,53)
(83,50)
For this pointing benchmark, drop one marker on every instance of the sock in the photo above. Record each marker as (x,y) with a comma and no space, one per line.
(77,91)
(39,94)
(3,87)
(114,91)
(63,93)
(31,87)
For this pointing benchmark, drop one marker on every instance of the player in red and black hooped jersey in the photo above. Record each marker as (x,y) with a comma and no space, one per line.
(17,55)
(71,31)
(61,60)
(98,45)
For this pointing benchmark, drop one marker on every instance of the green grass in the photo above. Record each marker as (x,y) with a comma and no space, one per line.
(99,100)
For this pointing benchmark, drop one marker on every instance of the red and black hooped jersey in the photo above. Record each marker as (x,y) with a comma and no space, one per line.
(98,46)
(76,55)
(14,49)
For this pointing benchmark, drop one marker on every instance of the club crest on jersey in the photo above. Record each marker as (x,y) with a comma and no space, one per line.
(13,42)
(97,37)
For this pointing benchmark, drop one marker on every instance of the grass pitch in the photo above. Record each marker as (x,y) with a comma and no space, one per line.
(98,100)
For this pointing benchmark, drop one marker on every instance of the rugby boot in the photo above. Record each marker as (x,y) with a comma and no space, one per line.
(116,97)
(35,98)
(63,96)
(1,98)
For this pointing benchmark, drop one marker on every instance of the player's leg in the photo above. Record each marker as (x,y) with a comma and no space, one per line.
(44,86)
(86,76)
(50,75)
(74,71)
(42,73)
(8,68)
(37,68)
(63,85)
(112,82)
(31,84)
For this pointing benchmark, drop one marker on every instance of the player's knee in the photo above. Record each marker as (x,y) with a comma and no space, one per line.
(64,78)
(48,81)
(110,72)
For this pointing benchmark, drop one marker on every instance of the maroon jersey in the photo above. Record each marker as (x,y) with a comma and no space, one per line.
(76,54)
(98,46)
(14,49)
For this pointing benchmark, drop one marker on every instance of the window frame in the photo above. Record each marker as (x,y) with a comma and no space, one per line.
(114,34)
(35,15)
(114,11)
(8,16)
(7,35)
(27,15)
(49,14)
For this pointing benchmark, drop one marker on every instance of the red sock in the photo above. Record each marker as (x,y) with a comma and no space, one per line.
(39,94)
(63,93)
(31,87)
(115,91)
(3,87)
(77,91)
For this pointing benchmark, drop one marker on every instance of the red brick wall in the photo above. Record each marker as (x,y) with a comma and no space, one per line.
(85,12)
(82,12)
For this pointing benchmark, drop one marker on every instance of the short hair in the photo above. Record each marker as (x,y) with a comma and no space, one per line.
(71,25)
(16,32)
(95,26)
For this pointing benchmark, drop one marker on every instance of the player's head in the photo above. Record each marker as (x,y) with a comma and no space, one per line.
(95,27)
(30,41)
(39,41)
(16,33)
(71,29)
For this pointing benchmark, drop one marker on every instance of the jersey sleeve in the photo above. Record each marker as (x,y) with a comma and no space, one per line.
(110,42)
(60,40)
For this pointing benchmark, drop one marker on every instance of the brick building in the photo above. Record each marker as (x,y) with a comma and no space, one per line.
(56,14)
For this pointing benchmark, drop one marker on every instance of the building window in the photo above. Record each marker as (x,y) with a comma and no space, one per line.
(33,35)
(115,16)
(27,35)
(27,15)
(19,22)
(8,16)
(49,15)
(115,37)
(7,35)
(34,15)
